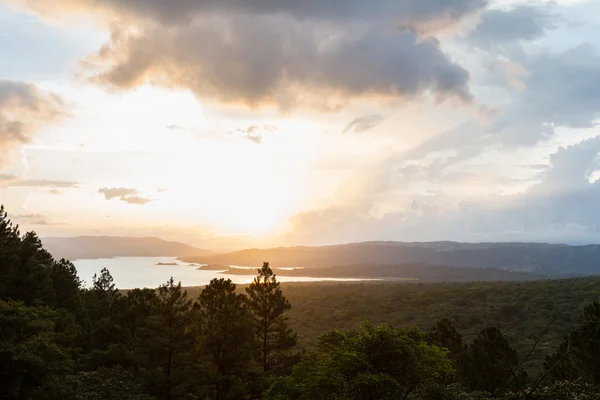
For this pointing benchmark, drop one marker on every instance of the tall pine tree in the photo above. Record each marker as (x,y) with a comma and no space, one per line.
(101,330)
(172,343)
(227,340)
(267,304)
(488,361)
(578,356)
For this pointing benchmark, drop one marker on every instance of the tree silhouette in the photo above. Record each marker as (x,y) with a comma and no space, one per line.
(227,339)
(580,350)
(267,304)
(488,362)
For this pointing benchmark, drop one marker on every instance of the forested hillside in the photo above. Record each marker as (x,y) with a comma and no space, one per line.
(547,259)
(59,340)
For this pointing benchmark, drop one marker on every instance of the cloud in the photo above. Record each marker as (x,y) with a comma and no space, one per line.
(254,133)
(422,185)
(255,138)
(43,222)
(111,193)
(24,110)
(249,130)
(562,91)
(524,22)
(129,196)
(35,219)
(43,183)
(286,54)
(28,216)
(420,15)
(7,178)
(136,200)
(364,123)
(561,207)
(219,60)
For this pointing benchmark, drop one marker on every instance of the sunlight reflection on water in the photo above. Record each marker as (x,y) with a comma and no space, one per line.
(140,272)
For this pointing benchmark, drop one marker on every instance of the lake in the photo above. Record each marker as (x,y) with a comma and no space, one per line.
(141,272)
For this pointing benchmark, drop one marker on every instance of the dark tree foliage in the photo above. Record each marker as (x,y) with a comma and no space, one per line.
(488,360)
(445,335)
(579,353)
(374,362)
(267,305)
(171,342)
(101,332)
(59,340)
(138,326)
(108,384)
(227,339)
(32,356)
(67,287)
(28,273)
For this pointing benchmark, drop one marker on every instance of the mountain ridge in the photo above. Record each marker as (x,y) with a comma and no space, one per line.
(540,258)
(89,247)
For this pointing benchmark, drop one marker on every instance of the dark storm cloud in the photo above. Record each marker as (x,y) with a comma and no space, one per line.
(415,14)
(286,53)
(271,60)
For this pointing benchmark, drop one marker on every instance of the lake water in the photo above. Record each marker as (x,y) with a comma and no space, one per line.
(140,272)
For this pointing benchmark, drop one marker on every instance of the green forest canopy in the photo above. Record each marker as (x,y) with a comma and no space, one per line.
(59,340)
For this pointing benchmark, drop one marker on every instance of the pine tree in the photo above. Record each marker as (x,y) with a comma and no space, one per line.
(172,342)
(267,305)
(33,362)
(28,273)
(445,336)
(141,307)
(10,243)
(101,331)
(67,287)
(578,356)
(488,360)
(227,339)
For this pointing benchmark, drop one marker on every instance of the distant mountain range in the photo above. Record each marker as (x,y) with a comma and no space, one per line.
(82,247)
(357,259)
(540,259)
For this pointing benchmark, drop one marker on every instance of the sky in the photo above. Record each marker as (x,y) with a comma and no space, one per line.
(255,123)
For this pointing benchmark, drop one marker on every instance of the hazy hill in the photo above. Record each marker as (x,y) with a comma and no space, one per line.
(547,259)
(81,247)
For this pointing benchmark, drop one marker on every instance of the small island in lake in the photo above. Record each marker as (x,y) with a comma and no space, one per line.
(167,263)
(214,267)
